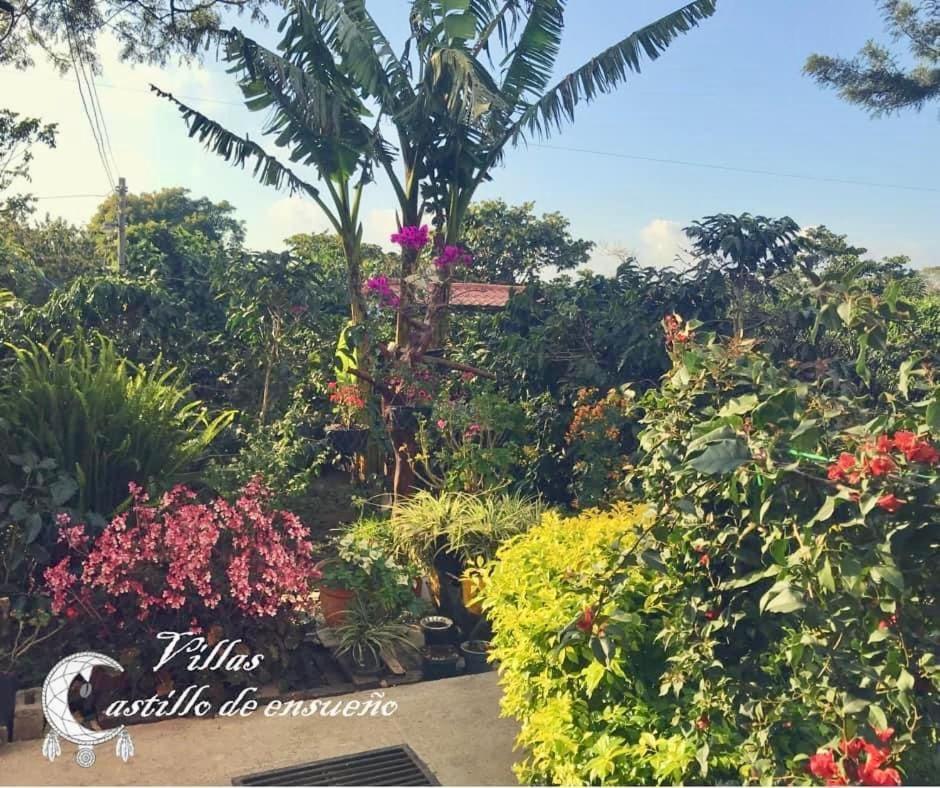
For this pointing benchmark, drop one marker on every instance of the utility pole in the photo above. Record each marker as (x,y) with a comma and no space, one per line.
(122,225)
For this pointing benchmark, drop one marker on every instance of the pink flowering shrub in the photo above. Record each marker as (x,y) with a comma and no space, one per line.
(179,563)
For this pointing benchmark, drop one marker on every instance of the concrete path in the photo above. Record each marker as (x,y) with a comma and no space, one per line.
(452,725)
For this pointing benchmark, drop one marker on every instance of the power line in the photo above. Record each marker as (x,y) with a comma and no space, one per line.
(745,170)
(91,117)
(67,196)
(630,157)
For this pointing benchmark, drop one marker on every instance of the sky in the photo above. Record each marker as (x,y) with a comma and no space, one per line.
(634,168)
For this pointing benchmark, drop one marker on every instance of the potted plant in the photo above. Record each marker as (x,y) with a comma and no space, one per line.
(439,662)
(369,631)
(437,630)
(475,655)
(363,568)
(347,437)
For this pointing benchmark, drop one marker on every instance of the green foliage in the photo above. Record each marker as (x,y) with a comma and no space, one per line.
(105,420)
(511,244)
(464,525)
(17,136)
(596,441)
(876,80)
(365,564)
(779,602)
(165,30)
(472,443)
(33,493)
(370,632)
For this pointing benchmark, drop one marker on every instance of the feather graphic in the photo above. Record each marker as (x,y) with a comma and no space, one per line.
(125,747)
(51,748)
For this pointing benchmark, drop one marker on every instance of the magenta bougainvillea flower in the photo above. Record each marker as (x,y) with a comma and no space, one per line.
(381,288)
(411,237)
(451,256)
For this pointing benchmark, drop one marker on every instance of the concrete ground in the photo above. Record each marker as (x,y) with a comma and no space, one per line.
(452,725)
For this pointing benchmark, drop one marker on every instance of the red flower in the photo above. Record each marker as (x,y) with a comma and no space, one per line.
(852,748)
(824,766)
(704,560)
(71,612)
(839,469)
(904,440)
(585,621)
(890,503)
(711,615)
(884,444)
(885,735)
(923,452)
(703,723)
(871,773)
(881,466)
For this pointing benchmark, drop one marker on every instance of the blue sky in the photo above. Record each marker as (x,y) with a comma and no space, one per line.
(729,94)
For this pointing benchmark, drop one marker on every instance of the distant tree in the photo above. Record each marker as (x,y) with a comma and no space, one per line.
(748,250)
(17,137)
(37,257)
(148,31)
(875,79)
(511,244)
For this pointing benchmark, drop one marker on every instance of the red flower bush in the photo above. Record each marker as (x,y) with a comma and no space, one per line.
(188,560)
(853,768)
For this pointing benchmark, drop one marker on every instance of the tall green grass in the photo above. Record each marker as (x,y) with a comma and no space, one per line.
(105,419)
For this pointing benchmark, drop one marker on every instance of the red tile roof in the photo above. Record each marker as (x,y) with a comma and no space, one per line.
(474,295)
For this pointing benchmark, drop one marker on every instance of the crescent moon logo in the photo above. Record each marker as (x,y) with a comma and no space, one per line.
(55,706)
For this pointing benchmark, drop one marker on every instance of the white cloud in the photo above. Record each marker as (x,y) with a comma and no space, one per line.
(660,241)
(283,218)
(378,226)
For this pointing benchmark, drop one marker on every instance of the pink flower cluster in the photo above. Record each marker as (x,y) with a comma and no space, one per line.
(411,237)
(380,287)
(181,554)
(451,256)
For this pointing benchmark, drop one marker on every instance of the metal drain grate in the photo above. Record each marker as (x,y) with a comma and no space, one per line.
(388,766)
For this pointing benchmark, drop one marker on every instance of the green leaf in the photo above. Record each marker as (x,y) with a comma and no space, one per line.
(826,579)
(751,578)
(722,457)
(594,674)
(18,511)
(33,527)
(701,755)
(888,574)
(905,681)
(460,26)
(784,600)
(739,405)
(853,705)
(825,511)
(877,718)
(62,490)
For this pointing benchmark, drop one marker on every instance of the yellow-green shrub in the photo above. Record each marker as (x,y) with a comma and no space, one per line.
(586,715)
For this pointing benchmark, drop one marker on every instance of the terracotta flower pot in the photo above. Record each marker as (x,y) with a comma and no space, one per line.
(334,604)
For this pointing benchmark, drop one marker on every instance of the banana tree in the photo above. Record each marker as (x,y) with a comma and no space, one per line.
(316,113)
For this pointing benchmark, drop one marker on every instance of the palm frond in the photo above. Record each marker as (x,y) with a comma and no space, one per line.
(532,61)
(606,71)
(367,54)
(239,151)
(317,115)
